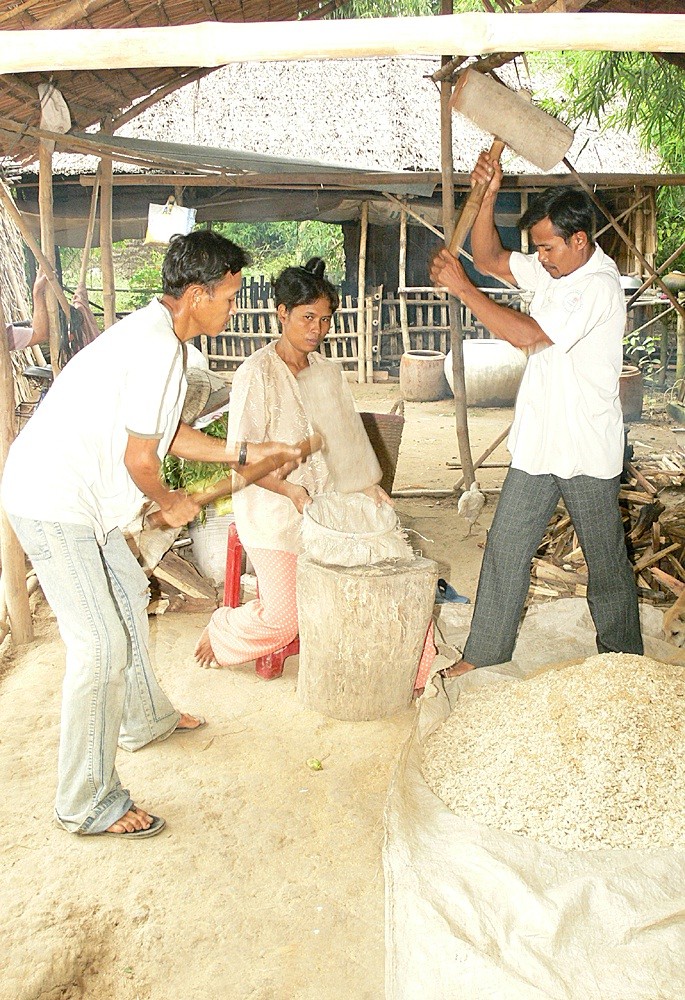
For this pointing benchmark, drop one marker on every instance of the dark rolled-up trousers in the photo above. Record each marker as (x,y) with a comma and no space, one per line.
(525,507)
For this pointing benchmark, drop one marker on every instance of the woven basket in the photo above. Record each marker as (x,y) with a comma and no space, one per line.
(385,433)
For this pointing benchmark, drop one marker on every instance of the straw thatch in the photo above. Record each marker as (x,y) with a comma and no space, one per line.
(374,113)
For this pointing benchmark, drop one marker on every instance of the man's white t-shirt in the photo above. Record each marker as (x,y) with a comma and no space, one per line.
(67,464)
(568,419)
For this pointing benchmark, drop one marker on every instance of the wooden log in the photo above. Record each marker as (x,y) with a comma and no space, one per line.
(644,483)
(652,557)
(179,573)
(362,631)
(216,44)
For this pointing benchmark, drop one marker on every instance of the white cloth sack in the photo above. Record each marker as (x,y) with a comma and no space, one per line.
(348,529)
(165,221)
(477,914)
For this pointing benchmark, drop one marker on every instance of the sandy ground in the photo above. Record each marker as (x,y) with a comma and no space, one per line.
(267,883)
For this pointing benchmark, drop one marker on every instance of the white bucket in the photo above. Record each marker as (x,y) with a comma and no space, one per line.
(210,540)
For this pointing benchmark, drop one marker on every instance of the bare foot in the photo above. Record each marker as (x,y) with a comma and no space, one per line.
(189,722)
(457,669)
(134,819)
(204,654)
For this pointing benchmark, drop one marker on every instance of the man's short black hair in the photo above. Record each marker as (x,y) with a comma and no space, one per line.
(200,258)
(569,210)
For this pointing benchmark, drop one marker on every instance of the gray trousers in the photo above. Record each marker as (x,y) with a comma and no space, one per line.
(523,513)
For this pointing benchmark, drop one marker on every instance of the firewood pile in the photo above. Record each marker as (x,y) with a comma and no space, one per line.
(655,532)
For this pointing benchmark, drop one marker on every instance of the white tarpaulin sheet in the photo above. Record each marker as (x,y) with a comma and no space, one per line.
(473,913)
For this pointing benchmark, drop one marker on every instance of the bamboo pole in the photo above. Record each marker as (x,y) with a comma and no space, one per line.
(680,309)
(47,241)
(453,306)
(404,319)
(361,293)
(215,44)
(478,464)
(660,270)
(12,556)
(91,228)
(680,348)
(368,331)
(106,259)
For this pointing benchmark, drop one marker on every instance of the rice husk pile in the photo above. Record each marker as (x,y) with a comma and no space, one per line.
(587,757)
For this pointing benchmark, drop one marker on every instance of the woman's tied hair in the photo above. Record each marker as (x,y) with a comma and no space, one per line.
(299,286)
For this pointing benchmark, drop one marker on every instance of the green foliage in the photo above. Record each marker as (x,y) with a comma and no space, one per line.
(402,8)
(195,477)
(146,281)
(633,91)
(275,245)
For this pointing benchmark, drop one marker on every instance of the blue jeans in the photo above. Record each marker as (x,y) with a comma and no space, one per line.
(110,696)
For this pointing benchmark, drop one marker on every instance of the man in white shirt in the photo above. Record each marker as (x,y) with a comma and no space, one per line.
(76,475)
(567,438)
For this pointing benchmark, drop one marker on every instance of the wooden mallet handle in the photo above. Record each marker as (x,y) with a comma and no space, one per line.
(472,205)
(238,480)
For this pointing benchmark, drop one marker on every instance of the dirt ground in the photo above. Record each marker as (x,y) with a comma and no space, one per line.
(267,883)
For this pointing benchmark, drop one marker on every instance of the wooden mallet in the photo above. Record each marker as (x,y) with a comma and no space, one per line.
(516,123)
(239,480)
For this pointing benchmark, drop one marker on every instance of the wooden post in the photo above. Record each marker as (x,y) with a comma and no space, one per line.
(361,293)
(404,318)
(83,273)
(106,260)
(11,553)
(680,349)
(368,330)
(453,306)
(47,240)
(639,230)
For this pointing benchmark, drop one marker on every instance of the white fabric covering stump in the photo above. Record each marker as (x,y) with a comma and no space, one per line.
(362,630)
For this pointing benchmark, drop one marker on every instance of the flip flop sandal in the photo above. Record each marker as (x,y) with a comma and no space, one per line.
(201,723)
(153,829)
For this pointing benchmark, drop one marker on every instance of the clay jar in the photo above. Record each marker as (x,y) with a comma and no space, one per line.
(630,392)
(493,370)
(422,376)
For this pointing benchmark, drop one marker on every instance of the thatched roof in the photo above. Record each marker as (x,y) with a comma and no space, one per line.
(378,114)
(94,96)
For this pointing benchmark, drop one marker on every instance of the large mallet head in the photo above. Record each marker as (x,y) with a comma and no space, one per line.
(503,113)
(516,123)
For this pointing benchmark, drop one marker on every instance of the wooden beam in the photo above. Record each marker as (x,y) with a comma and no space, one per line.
(217,44)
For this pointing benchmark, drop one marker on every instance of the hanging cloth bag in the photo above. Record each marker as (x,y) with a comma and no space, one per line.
(165,221)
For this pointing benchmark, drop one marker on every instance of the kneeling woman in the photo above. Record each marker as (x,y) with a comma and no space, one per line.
(266,405)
